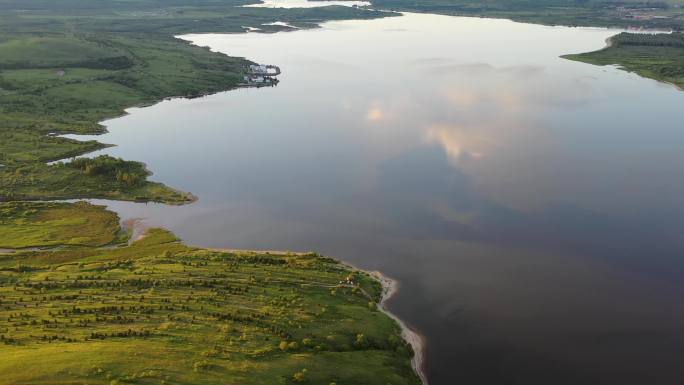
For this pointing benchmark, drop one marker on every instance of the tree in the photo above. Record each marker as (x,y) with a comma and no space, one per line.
(300,376)
(361,341)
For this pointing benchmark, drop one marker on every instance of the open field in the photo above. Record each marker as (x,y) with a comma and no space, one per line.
(159,312)
(659,57)
(123,180)
(29,224)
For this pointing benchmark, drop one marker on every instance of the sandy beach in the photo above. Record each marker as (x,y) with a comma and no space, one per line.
(390,288)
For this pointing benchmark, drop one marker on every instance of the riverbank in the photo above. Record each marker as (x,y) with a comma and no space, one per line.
(654,56)
(194,315)
(64,74)
(105,74)
(389,288)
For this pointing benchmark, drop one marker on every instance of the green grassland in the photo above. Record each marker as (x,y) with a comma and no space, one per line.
(159,312)
(29,224)
(122,180)
(659,57)
(65,66)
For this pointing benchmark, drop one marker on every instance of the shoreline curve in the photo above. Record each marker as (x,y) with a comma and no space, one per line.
(389,288)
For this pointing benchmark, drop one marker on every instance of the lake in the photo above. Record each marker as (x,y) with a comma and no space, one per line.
(305,3)
(530,207)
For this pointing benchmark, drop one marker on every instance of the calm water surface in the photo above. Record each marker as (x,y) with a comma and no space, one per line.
(305,3)
(531,207)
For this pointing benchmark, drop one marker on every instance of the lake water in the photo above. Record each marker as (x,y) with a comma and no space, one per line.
(531,207)
(306,3)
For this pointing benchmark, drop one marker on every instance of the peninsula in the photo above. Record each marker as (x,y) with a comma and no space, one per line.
(81,302)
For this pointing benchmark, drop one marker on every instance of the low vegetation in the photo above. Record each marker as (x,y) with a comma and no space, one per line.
(29,224)
(659,57)
(124,180)
(159,312)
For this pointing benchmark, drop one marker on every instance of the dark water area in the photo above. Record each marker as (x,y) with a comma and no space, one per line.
(530,207)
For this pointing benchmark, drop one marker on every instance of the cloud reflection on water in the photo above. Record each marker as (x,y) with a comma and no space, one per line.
(529,205)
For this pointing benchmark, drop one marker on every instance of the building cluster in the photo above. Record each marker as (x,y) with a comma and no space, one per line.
(262,75)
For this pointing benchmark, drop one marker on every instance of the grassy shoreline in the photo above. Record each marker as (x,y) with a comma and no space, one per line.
(417,342)
(104,311)
(65,68)
(658,57)
(76,105)
(649,59)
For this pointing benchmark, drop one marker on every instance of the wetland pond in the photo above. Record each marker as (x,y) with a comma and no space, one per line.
(531,207)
